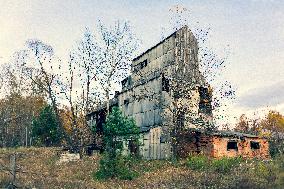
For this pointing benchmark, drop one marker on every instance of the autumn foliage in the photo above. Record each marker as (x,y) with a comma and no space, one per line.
(271,127)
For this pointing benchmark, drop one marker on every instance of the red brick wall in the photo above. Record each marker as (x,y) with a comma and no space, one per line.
(195,143)
(216,146)
(244,148)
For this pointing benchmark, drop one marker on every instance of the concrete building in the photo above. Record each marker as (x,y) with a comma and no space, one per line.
(167,96)
(165,89)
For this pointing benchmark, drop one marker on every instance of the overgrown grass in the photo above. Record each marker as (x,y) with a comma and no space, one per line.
(5,180)
(222,165)
(238,173)
(119,167)
(225,164)
(197,162)
(127,167)
(41,171)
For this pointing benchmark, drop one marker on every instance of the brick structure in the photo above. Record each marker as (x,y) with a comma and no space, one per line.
(223,144)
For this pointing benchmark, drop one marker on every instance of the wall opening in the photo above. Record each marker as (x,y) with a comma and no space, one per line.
(126,101)
(254,145)
(205,100)
(165,84)
(180,119)
(133,147)
(140,66)
(232,145)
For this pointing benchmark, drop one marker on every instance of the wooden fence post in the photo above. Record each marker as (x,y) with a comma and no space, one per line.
(13,168)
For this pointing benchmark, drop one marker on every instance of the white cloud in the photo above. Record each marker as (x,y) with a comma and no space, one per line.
(271,95)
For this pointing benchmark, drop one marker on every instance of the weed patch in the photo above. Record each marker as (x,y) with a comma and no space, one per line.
(224,165)
(197,162)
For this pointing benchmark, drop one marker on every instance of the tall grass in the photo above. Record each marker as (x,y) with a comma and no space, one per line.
(238,173)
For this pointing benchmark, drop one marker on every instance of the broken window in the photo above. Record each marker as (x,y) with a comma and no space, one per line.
(205,100)
(254,145)
(126,101)
(126,82)
(180,119)
(143,64)
(232,145)
(165,84)
(140,66)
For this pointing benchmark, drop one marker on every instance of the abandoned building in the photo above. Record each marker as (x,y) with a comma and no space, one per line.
(165,91)
(222,143)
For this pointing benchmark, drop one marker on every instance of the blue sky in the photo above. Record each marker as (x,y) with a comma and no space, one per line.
(253,29)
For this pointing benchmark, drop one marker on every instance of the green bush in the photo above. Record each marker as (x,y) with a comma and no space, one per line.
(119,167)
(202,162)
(197,162)
(124,167)
(225,164)
(276,147)
(117,128)
(107,168)
(267,171)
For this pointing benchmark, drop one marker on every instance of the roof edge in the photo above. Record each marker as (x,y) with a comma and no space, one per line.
(143,53)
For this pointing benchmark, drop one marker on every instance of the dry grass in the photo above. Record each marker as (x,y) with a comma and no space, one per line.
(42,171)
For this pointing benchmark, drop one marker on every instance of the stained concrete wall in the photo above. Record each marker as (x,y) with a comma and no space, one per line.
(174,58)
(142,98)
(153,146)
(145,111)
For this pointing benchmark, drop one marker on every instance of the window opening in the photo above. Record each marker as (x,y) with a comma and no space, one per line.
(205,100)
(165,84)
(254,145)
(126,101)
(180,119)
(232,145)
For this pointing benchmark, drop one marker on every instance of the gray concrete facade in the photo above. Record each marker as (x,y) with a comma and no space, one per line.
(165,80)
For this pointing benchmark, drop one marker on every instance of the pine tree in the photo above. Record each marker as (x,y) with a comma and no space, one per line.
(45,128)
(117,129)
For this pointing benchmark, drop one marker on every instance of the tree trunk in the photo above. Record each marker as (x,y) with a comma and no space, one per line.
(107,103)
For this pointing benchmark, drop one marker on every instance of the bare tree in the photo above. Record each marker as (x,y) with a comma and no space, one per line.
(118,45)
(96,66)
(40,66)
(85,64)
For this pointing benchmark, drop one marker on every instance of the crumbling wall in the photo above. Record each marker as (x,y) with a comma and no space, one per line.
(174,59)
(145,98)
(191,143)
(216,146)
